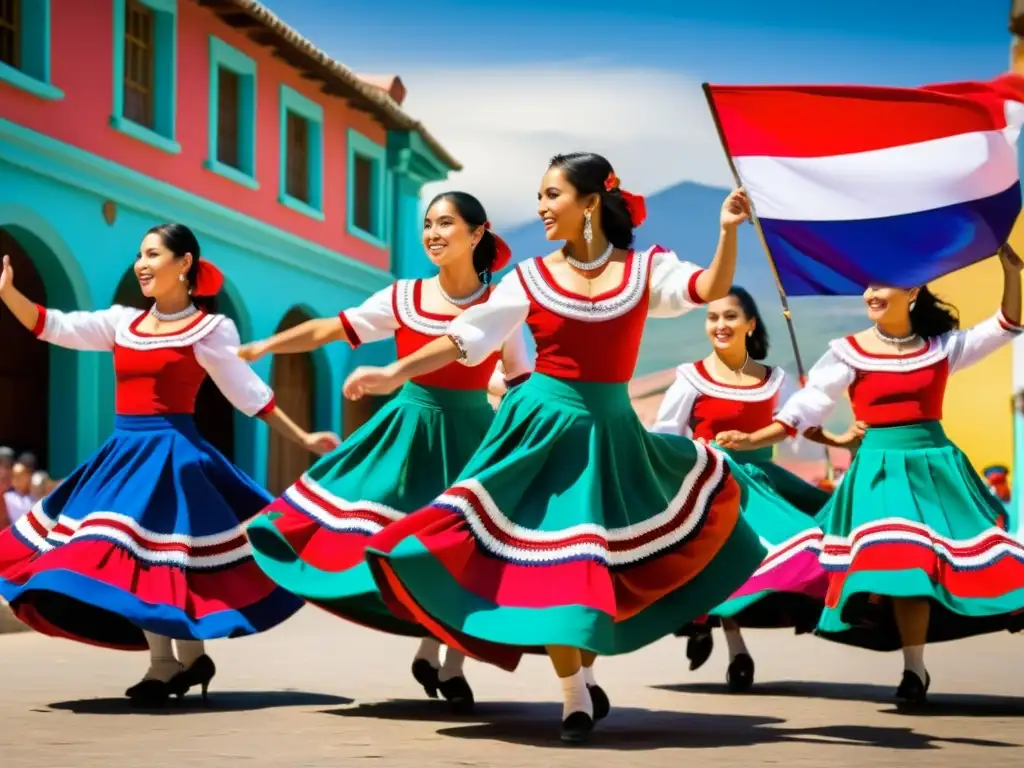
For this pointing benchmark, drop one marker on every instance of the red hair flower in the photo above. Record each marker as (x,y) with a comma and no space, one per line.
(635,204)
(209,280)
(502,253)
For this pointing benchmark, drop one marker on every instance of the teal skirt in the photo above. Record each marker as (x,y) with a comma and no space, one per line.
(312,539)
(912,519)
(570,525)
(788,588)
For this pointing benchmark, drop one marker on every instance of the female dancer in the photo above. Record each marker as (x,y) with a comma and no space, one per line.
(142,543)
(912,526)
(311,540)
(732,389)
(571,527)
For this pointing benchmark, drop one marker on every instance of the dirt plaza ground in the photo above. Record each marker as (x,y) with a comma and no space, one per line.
(320,692)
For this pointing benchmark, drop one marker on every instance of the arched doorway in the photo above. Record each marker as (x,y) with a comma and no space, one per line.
(293,378)
(215,416)
(24,365)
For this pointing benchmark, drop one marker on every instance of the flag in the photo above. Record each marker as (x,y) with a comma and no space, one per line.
(856,186)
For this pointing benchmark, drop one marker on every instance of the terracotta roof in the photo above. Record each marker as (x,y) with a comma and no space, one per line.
(392,85)
(264,27)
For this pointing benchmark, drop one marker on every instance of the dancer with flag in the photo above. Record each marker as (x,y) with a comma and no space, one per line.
(878,191)
(572,528)
(311,540)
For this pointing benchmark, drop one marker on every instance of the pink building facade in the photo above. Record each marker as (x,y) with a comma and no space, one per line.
(301,180)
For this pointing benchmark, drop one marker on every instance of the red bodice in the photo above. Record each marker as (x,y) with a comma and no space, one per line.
(885,397)
(749,409)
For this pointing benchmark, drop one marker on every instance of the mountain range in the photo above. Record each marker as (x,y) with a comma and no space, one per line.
(684,218)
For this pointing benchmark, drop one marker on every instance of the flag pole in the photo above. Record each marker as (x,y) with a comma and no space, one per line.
(786,313)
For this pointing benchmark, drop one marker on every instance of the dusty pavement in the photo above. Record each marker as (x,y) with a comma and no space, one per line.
(320,692)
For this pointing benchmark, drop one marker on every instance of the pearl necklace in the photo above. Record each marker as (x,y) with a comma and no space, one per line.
(463,301)
(897,340)
(590,266)
(170,317)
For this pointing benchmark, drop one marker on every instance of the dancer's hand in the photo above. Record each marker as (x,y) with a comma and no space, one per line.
(735,209)
(252,352)
(852,437)
(371,380)
(1007,257)
(734,440)
(6,276)
(321,442)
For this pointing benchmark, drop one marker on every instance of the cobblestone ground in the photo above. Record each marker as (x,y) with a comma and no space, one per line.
(320,692)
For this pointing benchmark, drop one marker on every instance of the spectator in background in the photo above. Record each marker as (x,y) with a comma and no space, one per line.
(30,460)
(6,465)
(18,499)
(41,485)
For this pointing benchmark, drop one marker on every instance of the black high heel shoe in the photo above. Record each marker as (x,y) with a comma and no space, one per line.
(458,694)
(698,649)
(200,673)
(739,677)
(426,675)
(912,690)
(149,694)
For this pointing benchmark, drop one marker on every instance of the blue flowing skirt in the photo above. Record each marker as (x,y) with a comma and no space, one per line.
(145,535)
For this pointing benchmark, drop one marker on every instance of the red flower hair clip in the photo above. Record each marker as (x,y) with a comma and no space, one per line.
(209,280)
(502,253)
(635,204)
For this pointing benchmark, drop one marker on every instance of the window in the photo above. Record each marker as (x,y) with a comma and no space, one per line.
(301,153)
(145,59)
(25,47)
(232,151)
(138,64)
(368,190)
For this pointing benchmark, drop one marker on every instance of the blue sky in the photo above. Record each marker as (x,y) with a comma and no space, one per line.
(505,85)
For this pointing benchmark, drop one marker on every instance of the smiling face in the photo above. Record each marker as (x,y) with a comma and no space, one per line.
(727,325)
(447,237)
(888,305)
(561,208)
(158,271)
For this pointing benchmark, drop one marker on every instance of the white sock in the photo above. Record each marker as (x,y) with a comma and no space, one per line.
(588,675)
(430,651)
(453,661)
(162,664)
(575,696)
(734,640)
(189,651)
(913,660)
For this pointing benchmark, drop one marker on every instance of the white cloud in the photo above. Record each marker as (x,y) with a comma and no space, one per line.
(504,124)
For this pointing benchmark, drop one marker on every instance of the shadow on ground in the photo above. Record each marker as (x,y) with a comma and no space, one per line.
(939,704)
(226,701)
(629,728)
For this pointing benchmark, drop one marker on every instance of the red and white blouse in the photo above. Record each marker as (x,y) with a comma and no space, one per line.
(699,407)
(581,338)
(398,311)
(161,373)
(886,390)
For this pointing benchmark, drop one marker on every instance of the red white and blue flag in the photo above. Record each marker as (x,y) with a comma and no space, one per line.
(855,186)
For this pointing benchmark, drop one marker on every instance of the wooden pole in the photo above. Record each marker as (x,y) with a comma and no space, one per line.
(786,313)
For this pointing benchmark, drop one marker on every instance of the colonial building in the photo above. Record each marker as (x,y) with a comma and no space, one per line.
(300,178)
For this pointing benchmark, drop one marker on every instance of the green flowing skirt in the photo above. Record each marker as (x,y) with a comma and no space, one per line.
(311,540)
(571,525)
(788,588)
(912,519)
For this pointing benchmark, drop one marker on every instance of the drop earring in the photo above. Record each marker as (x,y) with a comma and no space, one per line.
(588,230)
(913,304)
(181,278)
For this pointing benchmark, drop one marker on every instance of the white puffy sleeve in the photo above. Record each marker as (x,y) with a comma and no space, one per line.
(673,285)
(676,408)
(483,328)
(515,363)
(813,404)
(965,348)
(373,320)
(217,352)
(84,331)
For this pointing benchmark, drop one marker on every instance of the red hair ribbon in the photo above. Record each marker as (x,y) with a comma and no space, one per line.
(502,253)
(209,280)
(635,204)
